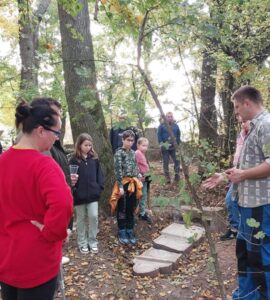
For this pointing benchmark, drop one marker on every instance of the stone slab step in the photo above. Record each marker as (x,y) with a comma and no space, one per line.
(177,238)
(183,232)
(168,248)
(214,215)
(154,261)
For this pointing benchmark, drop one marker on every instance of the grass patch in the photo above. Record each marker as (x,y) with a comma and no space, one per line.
(162,201)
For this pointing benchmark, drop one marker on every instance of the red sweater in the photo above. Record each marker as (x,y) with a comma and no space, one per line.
(32,187)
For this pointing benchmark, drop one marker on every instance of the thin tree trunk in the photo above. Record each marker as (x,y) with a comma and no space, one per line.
(84,105)
(192,190)
(28,41)
(208,114)
(229,117)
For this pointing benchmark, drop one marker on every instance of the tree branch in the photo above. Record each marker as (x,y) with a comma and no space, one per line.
(184,166)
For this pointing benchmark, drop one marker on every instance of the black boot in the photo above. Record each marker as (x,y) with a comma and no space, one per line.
(228,235)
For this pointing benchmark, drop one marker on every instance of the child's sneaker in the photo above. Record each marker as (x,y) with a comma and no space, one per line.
(146,218)
(122,237)
(131,236)
(84,249)
(94,249)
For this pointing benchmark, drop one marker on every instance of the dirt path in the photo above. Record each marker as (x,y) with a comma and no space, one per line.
(108,274)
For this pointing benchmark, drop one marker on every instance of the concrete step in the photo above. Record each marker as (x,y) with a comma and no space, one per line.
(214,215)
(177,238)
(154,261)
(174,240)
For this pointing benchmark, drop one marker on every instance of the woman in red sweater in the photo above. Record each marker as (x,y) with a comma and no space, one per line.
(35,208)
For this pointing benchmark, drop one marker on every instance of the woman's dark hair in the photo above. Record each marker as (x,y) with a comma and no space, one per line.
(80,139)
(30,117)
(48,100)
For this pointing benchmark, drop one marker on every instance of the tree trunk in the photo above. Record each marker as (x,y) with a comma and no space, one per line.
(229,117)
(208,113)
(28,40)
(84,105)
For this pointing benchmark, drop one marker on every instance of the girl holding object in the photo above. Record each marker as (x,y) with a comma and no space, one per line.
(86,193)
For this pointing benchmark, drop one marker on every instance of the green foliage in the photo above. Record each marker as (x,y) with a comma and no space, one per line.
(72,7)
(266,149)
(187,217)
(166,145)
(76,35)
(195,179)
(163,201)
(210,264)
(259,235)
(251,222)
(9,85)
(192,238)
(185,197)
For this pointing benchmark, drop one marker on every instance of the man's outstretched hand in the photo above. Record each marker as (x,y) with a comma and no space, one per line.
(213,181)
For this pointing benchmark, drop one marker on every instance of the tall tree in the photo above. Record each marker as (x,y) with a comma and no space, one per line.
(29,22)
(208,113)
(83,101)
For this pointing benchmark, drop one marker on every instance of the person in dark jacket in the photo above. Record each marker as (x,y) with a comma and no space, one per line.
(86,192)
(116,137)
(168,150)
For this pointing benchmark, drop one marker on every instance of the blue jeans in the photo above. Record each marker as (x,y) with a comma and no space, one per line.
(233,209)
(166,154)
(253,255)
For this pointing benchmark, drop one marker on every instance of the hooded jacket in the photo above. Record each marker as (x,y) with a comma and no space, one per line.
(90,183)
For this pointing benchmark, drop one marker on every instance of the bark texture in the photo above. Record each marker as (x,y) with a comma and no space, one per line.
(84,105)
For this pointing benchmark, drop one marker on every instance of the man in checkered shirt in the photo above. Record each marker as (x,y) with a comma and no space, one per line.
(252,181)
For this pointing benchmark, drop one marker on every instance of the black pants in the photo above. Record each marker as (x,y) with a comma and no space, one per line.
(42,292)
(125,209)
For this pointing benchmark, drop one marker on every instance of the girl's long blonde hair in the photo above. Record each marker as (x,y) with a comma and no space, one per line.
(80,139)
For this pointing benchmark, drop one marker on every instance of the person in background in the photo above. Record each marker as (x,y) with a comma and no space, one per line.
(87,192)
(143,167)
(35,208)
(127,190)
(116,134)
(168,151)
(217,178)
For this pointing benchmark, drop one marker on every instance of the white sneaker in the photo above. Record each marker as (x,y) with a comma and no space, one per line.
(84,250)
(65,260)
(94,249)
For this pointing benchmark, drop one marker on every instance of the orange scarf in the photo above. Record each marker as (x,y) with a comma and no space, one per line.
(134,184)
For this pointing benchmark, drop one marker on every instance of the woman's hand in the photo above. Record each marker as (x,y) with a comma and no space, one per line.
(74,179)
(37,224)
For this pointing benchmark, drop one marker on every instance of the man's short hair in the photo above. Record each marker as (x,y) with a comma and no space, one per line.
(127,134)
(247,92)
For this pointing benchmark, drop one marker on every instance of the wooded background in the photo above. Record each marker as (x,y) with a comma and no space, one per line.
(227,41)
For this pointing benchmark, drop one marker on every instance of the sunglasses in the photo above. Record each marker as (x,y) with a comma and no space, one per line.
(56,133)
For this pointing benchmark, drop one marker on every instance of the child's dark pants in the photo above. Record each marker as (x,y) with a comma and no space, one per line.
(125,209)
